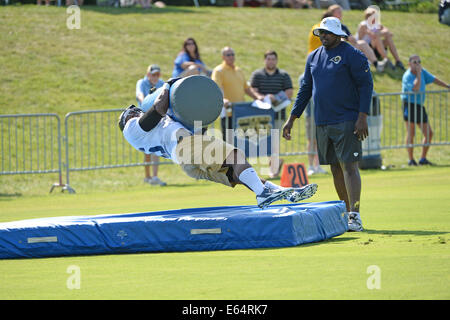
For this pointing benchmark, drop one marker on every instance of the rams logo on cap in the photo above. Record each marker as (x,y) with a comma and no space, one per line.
(336,59)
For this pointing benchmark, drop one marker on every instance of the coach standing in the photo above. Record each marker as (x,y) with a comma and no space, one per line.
(338,78)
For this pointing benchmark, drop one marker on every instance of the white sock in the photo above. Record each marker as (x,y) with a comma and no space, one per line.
(251,180)
(272,186)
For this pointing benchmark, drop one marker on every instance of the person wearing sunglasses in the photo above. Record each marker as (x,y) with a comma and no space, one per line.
(337,76)
(413,87)
(231,80)
(188,61)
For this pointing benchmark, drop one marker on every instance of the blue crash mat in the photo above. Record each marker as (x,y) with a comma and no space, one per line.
(214,228)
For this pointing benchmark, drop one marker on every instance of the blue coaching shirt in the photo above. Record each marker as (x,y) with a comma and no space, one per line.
(340,82)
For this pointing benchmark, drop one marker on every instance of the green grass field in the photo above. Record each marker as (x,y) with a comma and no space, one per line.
(405,213)
(97,66)
(49,68)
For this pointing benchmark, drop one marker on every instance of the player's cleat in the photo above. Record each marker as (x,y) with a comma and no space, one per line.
(302,193)
(354,222)
(268,196)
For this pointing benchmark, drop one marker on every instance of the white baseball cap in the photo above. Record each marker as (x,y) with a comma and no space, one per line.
(332,25)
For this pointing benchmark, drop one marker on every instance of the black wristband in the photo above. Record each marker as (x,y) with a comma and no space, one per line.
(150,119)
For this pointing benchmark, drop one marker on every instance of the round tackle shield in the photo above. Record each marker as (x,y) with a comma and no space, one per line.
(195,98)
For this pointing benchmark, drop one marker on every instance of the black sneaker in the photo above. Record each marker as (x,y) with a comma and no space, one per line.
(400,65)
(389,65)
(424,162)
(412,163)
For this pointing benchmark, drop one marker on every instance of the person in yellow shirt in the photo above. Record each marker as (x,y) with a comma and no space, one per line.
(313,41)
(231,80)
(310,127)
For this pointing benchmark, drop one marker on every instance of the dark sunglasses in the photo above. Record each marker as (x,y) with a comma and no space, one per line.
(229,55)
(416,62)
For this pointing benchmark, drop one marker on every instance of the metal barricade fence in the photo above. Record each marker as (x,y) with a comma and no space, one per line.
(31,143)
(394,131)
(93,141)
(298,145)
(286,148)
(386,121)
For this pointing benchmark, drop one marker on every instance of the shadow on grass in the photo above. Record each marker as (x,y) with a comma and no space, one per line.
(9,196)
(334,240)
(395,168)
(136,10)
(405,232)
(182,185)
(396,74)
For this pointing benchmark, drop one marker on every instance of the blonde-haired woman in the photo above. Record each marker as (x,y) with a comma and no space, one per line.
(335,10)
(378,37)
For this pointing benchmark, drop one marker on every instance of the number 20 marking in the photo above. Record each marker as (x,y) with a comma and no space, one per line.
(297,171)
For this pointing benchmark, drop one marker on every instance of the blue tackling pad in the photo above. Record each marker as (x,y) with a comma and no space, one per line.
(214,228)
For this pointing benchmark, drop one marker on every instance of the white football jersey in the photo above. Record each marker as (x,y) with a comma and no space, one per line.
(161,140)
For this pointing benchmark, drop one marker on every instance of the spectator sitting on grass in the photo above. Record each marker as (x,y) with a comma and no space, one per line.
(378,37)
(335,10)
(188,61)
